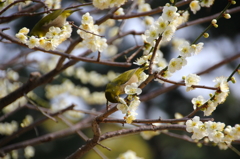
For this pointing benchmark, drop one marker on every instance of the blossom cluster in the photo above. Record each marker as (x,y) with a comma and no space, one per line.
(9,83)
(215,131)
(29,152)
(164,26)
(5,3)
(68,87)
(104,4)
(89,33)
(8,128)
(12,155)
(54,37)
(186,50)
(218,98)
(197,4)
(92,77)
(53,4)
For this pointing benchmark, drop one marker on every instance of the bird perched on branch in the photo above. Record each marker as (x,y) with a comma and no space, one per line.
(116,87)
(57,19)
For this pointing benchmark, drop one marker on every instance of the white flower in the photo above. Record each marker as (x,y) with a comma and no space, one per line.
(197,48)
(142,60)
(176,64)
(197,102)
(161,25)
(220,97)
(8,128)
(211,106)
(151,35)
(169,12)
(33,42)
(104,4)
(24,31)
(222,146)
(142,77)
(130,117)
(168,33)
(129,155)
(148,20)
(194,6)
(102,44)
(144,7)
(214,126)
(132,89)
(199,131)
(191,123)
(29,152)
(191,79)
(216,136)
(27,121)
(122,107)
(134,104)
(53,31)
(120,11)
(206,3)
(222,83)
(185,49)
(22,37)
(87,19)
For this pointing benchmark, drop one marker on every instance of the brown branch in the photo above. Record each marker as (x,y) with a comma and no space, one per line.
(81,134)
(150,121)
(25,129)
(208,18)
(90,144)
(33,83)
(48,137)
(129,59)
(26,12)
(156,93)
(125,52)
(101,20)
(140,129)
(133,32)
(154,54)
(153,11)
(5,116)
(96,130)
(182,137)
(66,55)
(183,84)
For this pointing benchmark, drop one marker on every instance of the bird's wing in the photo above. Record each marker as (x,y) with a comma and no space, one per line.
(45,20)
(124,77)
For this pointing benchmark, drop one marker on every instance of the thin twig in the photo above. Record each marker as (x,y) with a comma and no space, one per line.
(183,84)
(34,104)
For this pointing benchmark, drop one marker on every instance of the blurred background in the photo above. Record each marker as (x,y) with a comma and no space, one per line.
(223,43)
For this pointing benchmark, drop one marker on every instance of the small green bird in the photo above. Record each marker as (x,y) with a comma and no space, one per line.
(57,19)
(116,87)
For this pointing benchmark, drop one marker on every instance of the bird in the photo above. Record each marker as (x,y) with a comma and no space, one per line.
(117,85)
(57,19)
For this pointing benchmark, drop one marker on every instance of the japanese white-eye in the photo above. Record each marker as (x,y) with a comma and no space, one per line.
(116,87)
(57,19)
